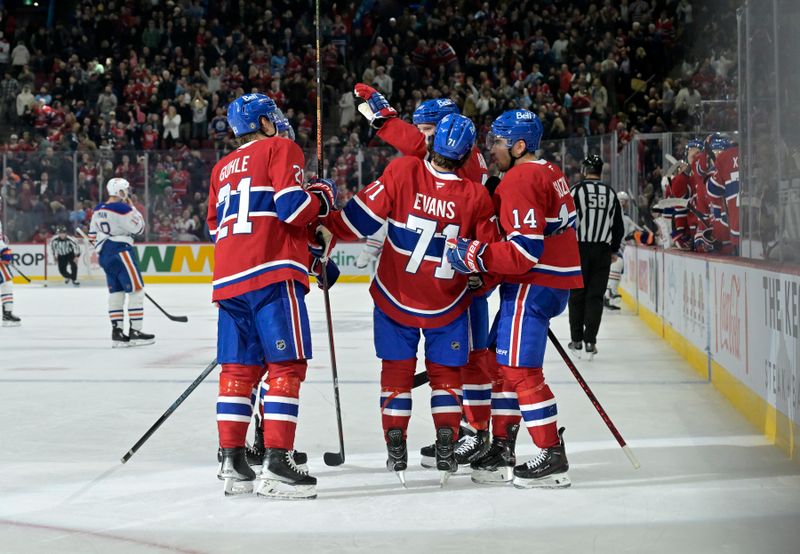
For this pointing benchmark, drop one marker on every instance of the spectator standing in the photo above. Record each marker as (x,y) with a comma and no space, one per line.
(5,52)
(172,126)
(20,56)
(9,89)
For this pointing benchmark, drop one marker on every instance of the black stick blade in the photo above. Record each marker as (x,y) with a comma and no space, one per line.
(333,458)
(421,378)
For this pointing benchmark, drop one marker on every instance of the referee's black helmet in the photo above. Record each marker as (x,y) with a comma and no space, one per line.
(593,164)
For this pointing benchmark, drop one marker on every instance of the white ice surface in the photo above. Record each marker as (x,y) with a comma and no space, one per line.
(72,406)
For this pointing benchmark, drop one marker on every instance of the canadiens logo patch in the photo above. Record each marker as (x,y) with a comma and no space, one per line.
(455,345)
(280,344)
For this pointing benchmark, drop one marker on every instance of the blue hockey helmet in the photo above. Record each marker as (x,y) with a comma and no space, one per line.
(720,143)
(454,137)
(283,126)
(515,125)
(244,113)
(694,143)
(432,111)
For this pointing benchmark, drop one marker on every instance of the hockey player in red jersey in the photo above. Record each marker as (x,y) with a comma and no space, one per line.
(412,140)
(539,263)
(726,175)
(699,219)
(680,186)
(415,288)
(723,193)
(259,209)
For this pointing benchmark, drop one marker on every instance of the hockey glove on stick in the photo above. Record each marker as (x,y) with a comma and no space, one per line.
(326,191)
(465,255)
(330,268)
(373,105)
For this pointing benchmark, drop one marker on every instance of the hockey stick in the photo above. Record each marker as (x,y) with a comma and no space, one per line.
(593,399)
(330,458)
(180,318)
(209,368)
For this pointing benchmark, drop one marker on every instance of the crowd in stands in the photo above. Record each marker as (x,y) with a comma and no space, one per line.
(139,88)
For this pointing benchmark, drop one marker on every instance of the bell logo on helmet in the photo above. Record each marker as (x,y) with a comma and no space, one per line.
(524,115)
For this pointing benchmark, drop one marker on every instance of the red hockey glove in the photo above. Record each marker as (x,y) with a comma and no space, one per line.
(325,190)
(378,110)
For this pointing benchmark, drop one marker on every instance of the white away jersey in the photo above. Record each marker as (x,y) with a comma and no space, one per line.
(115,221)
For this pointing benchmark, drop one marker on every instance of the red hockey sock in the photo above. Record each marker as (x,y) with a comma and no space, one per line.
(282,403)
(505,408)
(536,402)
(445,395)
(233,403)
(397,379)
(477,386)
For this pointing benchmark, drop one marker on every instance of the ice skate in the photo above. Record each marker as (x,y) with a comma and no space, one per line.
(281,478)
(497,465)
(398,454)
(238,476)
(608,303)
(137,338)
(10,320)
(428,454)
(445,454)
(576,348)
(547,470)
(76,283)
(119,339)
(471,447)
(591,351)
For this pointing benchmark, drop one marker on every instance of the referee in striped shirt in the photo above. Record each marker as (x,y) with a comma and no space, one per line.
(66,251)
(600,232)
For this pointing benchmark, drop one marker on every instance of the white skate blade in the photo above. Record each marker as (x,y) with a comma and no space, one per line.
(428,462)
(444,476)
(555,481)
(12,323)
(141,342)
(401,475)
(119,344)
(499,476)
(235,488)
(272,488)
(590,356)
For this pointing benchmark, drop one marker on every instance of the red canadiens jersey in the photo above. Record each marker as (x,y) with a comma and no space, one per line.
(679,187)
(725,181)
(697,180)
(414,284)
(258,211)
(537,213)
(411,142)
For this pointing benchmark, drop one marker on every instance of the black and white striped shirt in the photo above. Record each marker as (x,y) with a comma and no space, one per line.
(599,213)
(64,247)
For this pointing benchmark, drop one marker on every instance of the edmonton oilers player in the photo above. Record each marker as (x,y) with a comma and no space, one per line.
(539,264)
(258,213)
(412,140)
(113,226)
(415,289)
